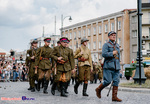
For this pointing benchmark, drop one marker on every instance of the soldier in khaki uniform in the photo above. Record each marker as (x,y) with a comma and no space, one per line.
(43,64)
(83,55)
(65,62)
(30,63)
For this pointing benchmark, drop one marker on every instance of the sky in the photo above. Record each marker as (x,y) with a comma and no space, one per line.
(22,20)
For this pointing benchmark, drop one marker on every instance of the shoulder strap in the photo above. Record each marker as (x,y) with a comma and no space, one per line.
(112,45)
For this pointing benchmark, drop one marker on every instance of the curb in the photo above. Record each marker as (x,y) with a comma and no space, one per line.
(138,90)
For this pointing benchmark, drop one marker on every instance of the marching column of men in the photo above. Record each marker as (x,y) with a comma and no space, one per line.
(59,63)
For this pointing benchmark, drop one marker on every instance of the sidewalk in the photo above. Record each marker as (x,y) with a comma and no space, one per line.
(127,89)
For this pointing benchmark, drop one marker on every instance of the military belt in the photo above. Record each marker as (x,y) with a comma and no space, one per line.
(117,58)
(45,58)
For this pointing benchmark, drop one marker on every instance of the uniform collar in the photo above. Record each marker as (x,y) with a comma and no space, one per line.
(82,46)
(112,42)
(62,47)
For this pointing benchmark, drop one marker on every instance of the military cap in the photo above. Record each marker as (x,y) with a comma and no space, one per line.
(84,40)
(110,33)
(64,39)
(47,39)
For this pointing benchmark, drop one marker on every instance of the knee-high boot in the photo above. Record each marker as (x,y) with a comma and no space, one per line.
(99,89)
(45,86)
(114,94)
(63,84)
(85,89)
(53,88)
(76,87)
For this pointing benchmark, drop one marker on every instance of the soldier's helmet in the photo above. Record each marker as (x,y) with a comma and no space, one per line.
(64,39)
(111,32)
(35,41)
(84,40)
(48,39)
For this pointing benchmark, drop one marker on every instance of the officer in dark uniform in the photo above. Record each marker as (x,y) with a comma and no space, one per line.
(43,64)
(111,68)
(65,62)
(30,62)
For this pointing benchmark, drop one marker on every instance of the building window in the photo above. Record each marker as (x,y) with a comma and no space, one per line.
(134,33)
(84,32)
(75,35)
(119,25)
(119,41)
(94,45)
(100,44)
(100,29)
(134,19)
(94,30)
(66,35)
(74,47)
(89,45)
(106,28)
(100,56)
(149,32)
(149,17)
(70,35)
(89,32)
(134,48)
(79,33)
(112,26)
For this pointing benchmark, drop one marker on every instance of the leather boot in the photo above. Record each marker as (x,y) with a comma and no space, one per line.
(33,89)
(84,89)
(38,85)
(63,89)
(66,87)
(76,87)
(45,87)
(99,89)
(114,94)
(53,88)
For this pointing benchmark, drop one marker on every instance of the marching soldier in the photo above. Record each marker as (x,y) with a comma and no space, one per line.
(111,68)
(83,55)
(30,62)
(65,62)
(43,64)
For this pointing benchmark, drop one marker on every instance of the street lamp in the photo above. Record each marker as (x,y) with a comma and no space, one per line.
(62,19)
(139,74)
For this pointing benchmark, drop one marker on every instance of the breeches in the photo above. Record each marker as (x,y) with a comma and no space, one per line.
(62,76)
(111,75)
(84,73)
(44,73)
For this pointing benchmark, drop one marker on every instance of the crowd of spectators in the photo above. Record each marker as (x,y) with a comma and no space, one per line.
(13,71)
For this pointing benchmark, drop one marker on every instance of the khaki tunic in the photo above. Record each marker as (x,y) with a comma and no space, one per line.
(44,65)
(86,66)
(30,62)
(63,70)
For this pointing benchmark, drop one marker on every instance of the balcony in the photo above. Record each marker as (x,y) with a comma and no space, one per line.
(146,21)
